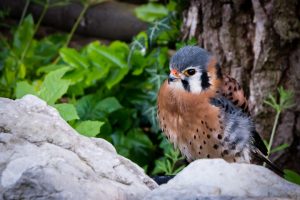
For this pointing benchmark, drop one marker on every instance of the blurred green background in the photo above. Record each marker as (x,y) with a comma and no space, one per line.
(102,89)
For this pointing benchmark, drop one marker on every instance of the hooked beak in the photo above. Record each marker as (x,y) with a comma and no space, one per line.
(174,75)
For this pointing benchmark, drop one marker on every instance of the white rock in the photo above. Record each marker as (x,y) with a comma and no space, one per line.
(217,179)
(42,157)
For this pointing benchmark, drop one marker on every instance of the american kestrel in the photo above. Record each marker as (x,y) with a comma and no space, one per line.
(205,113)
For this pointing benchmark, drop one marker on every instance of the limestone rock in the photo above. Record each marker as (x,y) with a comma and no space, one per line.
(42,157)
(216,179)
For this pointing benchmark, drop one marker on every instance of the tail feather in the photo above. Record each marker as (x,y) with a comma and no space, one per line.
(269,163)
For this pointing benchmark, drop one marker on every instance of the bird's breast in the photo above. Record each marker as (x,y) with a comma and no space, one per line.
(192,124)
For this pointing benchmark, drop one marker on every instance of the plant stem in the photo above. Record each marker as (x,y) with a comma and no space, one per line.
(24,11)
(70,35)
(41,17)
(273,132)
(35,30)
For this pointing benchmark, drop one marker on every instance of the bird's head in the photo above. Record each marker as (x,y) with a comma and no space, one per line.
(193,69)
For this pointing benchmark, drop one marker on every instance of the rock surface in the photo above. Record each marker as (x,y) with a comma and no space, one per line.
(217,179)
(42,157)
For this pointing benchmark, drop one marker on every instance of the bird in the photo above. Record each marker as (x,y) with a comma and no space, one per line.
(205,113)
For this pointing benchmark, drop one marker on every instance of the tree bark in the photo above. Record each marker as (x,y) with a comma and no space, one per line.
(258,43)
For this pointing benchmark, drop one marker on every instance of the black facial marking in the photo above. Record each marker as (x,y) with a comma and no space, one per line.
(186,85)
(204,80)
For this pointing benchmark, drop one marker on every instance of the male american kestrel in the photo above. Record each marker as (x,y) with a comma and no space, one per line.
(205,113)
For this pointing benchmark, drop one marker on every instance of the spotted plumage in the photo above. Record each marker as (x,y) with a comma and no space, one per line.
(205,113)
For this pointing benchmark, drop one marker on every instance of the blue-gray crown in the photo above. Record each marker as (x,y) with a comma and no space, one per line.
(190,56)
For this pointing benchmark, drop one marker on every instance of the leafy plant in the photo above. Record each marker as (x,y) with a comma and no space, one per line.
(171,163)
(151,12)
(285,102)
(292,176)
(106,91)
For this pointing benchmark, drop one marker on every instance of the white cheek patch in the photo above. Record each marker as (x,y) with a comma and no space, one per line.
(195,83)
(176,85)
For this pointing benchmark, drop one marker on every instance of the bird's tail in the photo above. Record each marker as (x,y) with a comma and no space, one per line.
(269,163)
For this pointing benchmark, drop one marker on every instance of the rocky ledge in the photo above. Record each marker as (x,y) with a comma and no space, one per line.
(42,157)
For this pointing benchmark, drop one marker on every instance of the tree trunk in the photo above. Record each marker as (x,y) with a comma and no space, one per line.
(258,43)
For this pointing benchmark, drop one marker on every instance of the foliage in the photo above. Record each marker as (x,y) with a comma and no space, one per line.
(171,163)
(102,91)
(292,176)
(285,102)
(151,12)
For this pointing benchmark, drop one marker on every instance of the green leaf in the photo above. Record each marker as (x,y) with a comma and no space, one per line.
(157,28)
(73,58)
(24,88)
(50,68)
(107,54)
(67,111)
(89,128)
(23,36)
(108,105)
(54,86)
(292,176)
(151,12)
(115,76)
(280,148)
(86,108)
(136,57)
(136,145)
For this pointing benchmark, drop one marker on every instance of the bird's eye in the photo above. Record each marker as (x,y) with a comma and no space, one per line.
(190,72)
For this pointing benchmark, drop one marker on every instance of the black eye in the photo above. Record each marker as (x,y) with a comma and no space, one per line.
(191,72)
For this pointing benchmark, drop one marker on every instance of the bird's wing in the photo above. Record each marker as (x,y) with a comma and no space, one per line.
(233,92)
(228,107)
